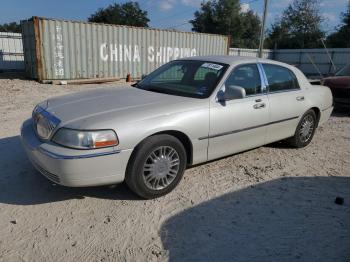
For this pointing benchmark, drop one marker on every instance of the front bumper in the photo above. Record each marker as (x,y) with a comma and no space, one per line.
(71,167)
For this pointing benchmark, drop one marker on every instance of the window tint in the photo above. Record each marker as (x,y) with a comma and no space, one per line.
(280,78)
(246,76)
(203,71)
(173,74)
(190,78)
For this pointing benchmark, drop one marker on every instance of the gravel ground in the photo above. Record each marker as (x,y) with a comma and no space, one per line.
(272,203)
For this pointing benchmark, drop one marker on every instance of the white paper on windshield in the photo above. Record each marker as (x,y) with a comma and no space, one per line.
(212,66)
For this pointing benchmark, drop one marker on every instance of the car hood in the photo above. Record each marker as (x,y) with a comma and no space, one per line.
(98,107)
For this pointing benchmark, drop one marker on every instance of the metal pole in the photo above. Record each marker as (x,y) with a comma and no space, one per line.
(329,56)
(262,33)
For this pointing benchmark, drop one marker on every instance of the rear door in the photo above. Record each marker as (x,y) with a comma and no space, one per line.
(239,124)
(286,99)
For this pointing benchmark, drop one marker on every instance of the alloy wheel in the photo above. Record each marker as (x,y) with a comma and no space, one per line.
(161,167)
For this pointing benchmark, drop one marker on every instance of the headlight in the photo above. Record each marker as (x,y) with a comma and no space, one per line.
(85,139)
(43,126)
(44,122)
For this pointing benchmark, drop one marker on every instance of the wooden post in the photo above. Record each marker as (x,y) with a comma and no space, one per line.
(262,33)
(38,55)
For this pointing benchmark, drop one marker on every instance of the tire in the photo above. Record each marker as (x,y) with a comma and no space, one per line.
(305,130)
(156,166)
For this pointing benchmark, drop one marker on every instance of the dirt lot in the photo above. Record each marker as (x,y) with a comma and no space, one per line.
(272,203)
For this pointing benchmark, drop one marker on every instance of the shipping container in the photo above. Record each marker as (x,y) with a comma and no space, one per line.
(11,52)
(60,49)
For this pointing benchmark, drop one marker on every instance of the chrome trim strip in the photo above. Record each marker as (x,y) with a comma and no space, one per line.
(284,91)
(263,78)
(247,128)
(59,156)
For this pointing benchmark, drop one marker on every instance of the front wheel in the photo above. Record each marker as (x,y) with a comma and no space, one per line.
(157,166)
(305,130)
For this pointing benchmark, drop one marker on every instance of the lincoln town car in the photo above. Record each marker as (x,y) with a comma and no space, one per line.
(186,112)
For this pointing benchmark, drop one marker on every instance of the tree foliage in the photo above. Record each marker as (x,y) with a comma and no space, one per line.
(11,27)
(128,13)
(226,17)
(299,26)
(341,38)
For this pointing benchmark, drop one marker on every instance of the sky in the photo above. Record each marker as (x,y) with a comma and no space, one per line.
(162,13)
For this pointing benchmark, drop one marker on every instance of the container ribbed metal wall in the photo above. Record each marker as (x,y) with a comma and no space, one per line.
(58,49)
(11,52)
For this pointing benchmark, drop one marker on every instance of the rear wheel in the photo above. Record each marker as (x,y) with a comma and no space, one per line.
(157,166)
(305,130)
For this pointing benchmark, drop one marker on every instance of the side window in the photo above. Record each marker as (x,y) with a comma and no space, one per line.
(246,76)
(280,78)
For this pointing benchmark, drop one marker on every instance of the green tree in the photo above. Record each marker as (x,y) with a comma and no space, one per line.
(128,13)
(299,26)
(226,17)
(205,20)
(11,27)
(341,38)
(251,30)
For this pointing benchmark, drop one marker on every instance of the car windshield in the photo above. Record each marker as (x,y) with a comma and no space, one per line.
(190,78)
(345,71)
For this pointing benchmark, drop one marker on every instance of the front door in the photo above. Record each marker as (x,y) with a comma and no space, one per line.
(239,124)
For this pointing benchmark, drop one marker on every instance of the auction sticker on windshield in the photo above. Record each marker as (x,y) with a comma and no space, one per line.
(212,66)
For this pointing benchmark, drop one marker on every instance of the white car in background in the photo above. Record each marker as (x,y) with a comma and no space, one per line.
(186,112)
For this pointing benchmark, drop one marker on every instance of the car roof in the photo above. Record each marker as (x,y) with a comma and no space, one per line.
(227,59)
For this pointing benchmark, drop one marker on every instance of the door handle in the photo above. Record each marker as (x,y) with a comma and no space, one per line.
(300,98)
(258,100)
(259,106)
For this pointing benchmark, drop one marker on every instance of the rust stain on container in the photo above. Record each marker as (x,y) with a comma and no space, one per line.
(39,61)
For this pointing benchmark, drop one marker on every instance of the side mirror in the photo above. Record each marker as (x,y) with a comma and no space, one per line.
(143,76)
(230,93)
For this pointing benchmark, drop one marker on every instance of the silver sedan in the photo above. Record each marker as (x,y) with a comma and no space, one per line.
(186,112)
